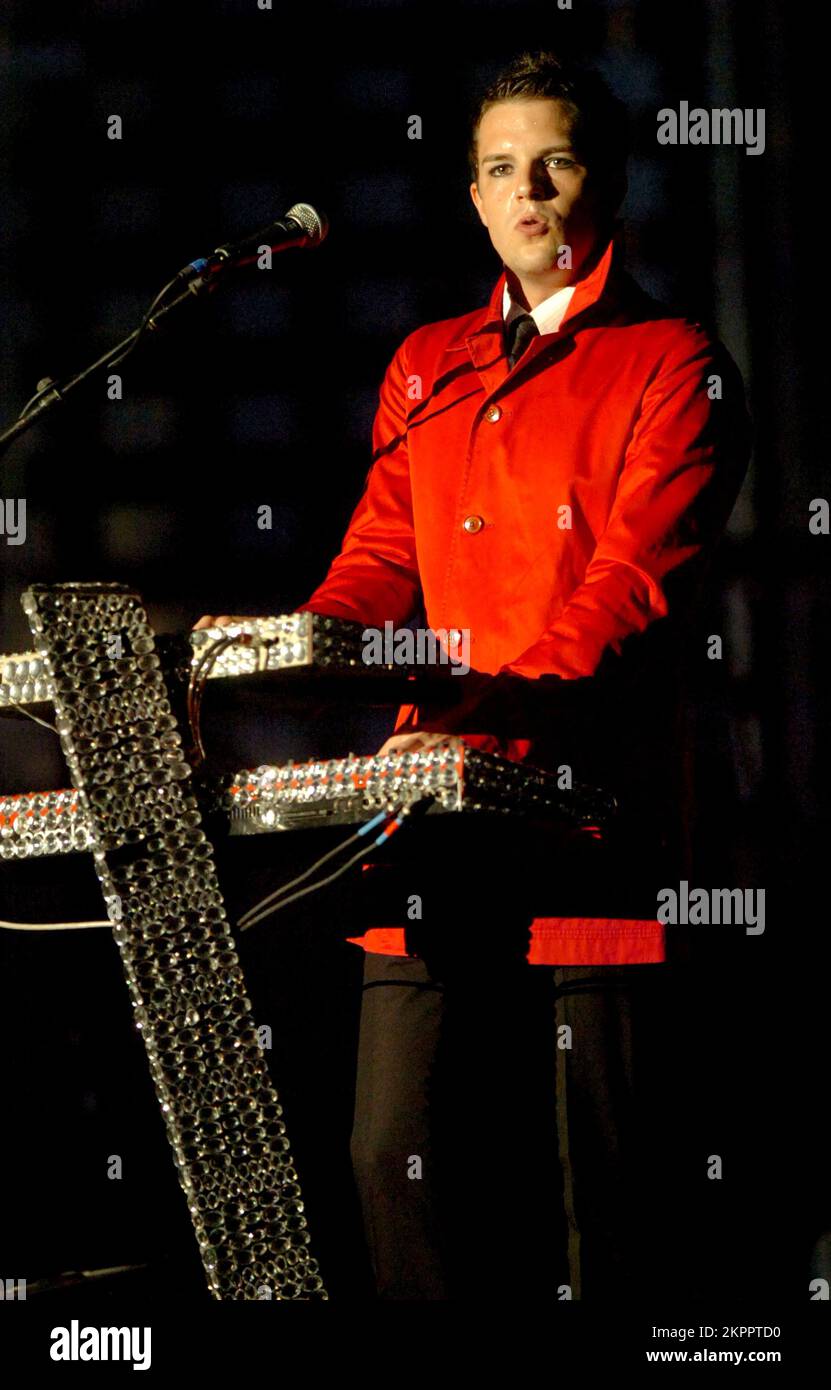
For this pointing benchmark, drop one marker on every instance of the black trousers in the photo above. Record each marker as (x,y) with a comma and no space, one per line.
(504,1137)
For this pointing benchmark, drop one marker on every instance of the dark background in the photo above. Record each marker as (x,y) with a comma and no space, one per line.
(265,393)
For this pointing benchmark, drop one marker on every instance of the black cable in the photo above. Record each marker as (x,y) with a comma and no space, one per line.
(338,849)
(198,679)
(146,321)
(362,853)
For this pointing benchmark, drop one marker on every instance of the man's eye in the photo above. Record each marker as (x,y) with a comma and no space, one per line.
(557,159)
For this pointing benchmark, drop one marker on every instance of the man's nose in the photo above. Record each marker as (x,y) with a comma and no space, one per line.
(534,183)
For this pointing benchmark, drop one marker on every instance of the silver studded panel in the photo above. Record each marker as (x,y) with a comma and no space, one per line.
(281,643)
(454,778)
(222,1114)
(42,823)
(339,791)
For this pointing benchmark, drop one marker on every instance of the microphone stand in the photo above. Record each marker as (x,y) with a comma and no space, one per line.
(73,1278)
(51,392)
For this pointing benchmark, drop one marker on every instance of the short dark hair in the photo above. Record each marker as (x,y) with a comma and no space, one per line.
(599,121)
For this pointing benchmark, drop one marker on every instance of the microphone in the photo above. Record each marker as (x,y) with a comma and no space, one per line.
(302,226)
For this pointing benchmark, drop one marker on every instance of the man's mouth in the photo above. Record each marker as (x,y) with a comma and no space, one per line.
(531,225)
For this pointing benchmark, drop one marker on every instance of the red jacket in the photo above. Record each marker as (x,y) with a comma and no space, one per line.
(632,417)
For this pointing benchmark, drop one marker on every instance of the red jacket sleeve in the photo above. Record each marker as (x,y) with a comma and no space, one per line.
(680,478)
(374,578)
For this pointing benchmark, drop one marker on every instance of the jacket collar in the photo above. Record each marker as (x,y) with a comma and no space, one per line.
(485,340)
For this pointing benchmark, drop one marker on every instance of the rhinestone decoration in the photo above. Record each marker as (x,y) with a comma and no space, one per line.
(293,640)
(37,823)
(343,791)
(340,791)
(25,679)
(134,806)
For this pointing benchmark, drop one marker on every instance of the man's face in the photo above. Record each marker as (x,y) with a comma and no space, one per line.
(528,169)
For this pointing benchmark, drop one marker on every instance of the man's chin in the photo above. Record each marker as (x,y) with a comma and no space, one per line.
(531,266)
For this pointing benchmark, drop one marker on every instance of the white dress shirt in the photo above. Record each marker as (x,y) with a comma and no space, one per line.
(548,316)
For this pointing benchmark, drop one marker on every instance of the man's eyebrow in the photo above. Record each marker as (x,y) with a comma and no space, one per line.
(555,149)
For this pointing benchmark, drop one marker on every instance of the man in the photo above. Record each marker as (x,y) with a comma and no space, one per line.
(549,475)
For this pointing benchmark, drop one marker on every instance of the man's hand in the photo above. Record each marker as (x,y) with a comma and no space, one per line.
(497,714)
(226,620)
(417,742)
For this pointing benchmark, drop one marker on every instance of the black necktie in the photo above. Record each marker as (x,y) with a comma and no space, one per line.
(520,332)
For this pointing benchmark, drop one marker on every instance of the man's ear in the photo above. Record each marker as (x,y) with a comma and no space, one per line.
(477,203)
